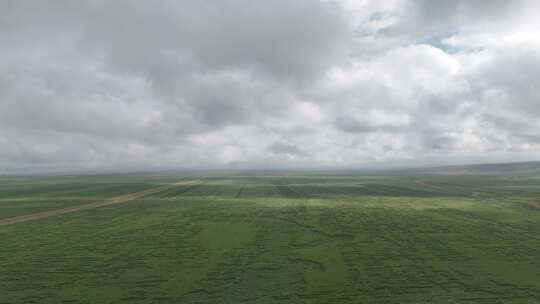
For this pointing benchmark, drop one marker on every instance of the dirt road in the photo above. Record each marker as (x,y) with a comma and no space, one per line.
(112,201)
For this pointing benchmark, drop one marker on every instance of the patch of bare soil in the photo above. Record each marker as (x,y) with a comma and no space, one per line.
(112,201)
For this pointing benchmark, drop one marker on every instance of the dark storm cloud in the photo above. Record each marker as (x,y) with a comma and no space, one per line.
(198,56)
(437,19)
(154,38)
(353,125)
(454,11)
(349,124)
(124,85)
(285,148)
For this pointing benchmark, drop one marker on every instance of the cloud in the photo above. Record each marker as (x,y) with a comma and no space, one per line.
(287,149)
(121,85)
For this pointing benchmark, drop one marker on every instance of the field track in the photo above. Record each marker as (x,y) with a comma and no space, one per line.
(264,237)
(112,201)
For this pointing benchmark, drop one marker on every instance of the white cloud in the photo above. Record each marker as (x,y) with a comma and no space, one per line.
(113,85)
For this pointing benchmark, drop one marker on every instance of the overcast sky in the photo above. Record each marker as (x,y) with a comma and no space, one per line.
(130,85)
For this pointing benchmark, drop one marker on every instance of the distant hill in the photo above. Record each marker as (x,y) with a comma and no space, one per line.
(521,169)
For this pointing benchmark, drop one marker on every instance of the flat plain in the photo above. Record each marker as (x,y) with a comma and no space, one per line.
(270,237)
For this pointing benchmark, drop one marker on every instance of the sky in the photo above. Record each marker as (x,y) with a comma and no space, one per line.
(135,85)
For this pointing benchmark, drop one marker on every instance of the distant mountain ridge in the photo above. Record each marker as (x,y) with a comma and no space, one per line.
(519,168)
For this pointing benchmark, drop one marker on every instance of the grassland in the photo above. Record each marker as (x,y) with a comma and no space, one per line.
(272,237)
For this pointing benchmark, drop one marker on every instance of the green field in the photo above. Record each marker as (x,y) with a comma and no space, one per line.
(272,237)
